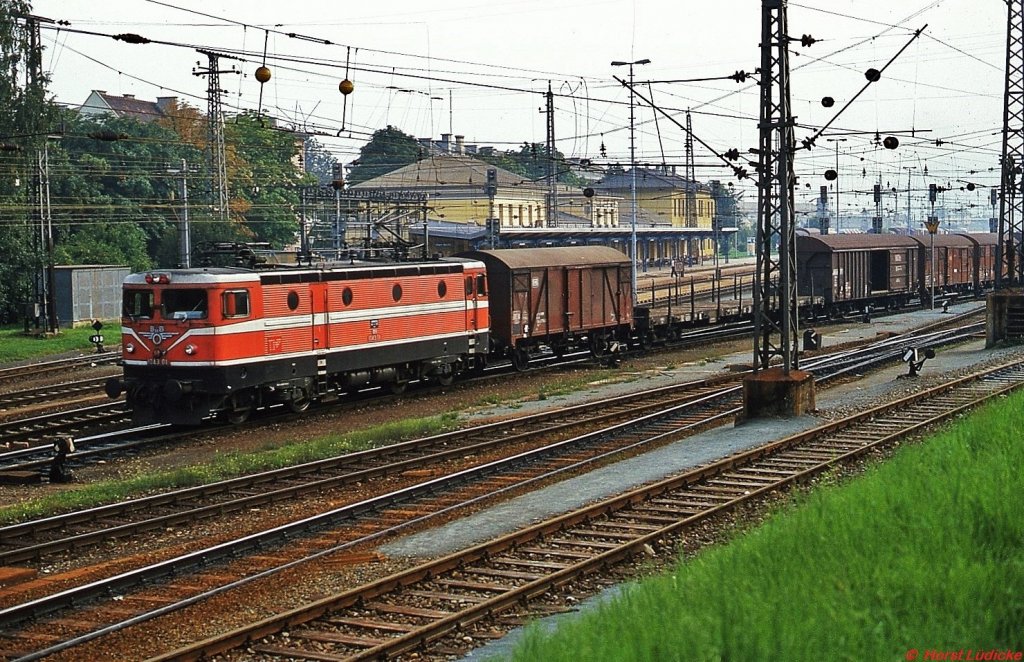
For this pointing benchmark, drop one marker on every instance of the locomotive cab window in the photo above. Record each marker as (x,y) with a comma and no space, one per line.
(235,303)
(184,304)
(469,286)
(481,285)
(138,304)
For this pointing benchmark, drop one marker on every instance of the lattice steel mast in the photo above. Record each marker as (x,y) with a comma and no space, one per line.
(690,211)
(775,310)
(552,175)
(215,152)
(1010,271)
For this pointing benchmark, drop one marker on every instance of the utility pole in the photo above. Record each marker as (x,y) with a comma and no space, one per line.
(216,158)
(910,218)
(837,141)
(552,210)
(1009,260)
(775,309)
(184,229)
(876,222)
(690,211)
(48,275)
(632,165)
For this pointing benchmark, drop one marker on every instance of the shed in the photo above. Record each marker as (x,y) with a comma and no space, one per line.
(85,292)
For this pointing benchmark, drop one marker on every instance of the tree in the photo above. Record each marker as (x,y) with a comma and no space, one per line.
(319,162)
(531,161)
(387,150)
(264,173)
(25,116)
(113,192)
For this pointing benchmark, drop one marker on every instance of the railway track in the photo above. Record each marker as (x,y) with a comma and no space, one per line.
(441,600)
(39,430)
(58,365)
(694,404)
(67,390)
(415,502)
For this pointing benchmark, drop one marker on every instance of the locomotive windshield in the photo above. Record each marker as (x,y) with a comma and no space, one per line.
(138,304)
(184,304)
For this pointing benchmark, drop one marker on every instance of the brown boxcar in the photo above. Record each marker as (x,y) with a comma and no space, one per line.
(954,264)
(985,244)
(842,273)
(564,298)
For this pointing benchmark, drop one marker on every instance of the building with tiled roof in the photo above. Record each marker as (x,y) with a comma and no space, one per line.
(660,197)
(126,105)
(455,185)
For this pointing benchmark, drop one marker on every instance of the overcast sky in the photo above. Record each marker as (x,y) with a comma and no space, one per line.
(480,69)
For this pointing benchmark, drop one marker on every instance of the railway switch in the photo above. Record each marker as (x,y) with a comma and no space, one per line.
(915,360)
(812,340)
(63,445)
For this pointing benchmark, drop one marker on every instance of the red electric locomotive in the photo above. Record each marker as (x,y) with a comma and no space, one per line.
(221,342)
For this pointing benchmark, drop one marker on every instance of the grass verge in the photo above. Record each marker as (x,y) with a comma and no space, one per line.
(16,346)
(922,553)
(227,465)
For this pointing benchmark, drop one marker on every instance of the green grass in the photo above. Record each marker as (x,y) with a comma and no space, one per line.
(925,551)
(226,466)
(16,346)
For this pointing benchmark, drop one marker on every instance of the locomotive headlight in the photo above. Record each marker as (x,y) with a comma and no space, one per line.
(130,348)
(190,349)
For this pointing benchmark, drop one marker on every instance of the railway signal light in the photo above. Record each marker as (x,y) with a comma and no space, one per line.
(992,196)
(491,187)
(932,192)
(878,192)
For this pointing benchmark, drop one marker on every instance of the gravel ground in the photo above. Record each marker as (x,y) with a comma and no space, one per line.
(517,396)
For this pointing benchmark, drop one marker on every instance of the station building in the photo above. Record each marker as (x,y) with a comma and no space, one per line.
(459,208)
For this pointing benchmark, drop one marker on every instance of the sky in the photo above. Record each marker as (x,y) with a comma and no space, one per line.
(480,69)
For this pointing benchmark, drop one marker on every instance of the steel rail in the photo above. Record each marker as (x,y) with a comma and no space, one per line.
(41,367)
(260,540)
(20,542)
(872,430)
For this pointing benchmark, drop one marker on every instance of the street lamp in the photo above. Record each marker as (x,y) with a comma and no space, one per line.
(632,164)
(837,141)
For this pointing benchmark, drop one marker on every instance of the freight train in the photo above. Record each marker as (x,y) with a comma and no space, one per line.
(844,273)
(224,341)
(220,342)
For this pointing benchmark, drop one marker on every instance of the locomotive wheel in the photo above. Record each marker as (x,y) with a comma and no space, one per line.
(237,416)
(520,359)
(301,403)
(597,346)
(398,388)
(241,409)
